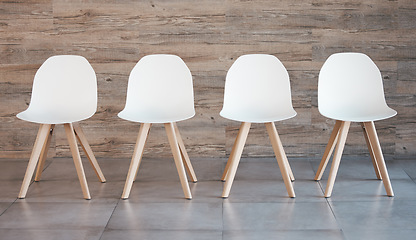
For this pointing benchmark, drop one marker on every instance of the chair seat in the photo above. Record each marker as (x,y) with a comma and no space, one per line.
(150,116)
(360,115)
(52,117)
(260,117)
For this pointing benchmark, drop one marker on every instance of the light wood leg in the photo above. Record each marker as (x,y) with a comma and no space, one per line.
(343,132)
(37,149)
(141,155)
(235,157)
(328,151)
(135,161)
(185,157)
(69,130)
(280,156)
(170,131)
(229,162)
(370,149)
(292,177)
(44,154)
(79,133)
(372,135)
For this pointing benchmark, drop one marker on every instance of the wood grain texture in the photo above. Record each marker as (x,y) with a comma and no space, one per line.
(209,35)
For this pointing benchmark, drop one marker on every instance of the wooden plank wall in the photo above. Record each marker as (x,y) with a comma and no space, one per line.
(209,35)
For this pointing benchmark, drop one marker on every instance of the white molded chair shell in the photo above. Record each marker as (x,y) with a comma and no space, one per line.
(351,89)
(160,90)
(257,89)
(64,91)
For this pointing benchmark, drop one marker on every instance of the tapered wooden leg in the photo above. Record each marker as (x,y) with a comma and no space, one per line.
(170,131)
(235,157)
(229,162)
(292,177)
(342,137)
(37,149)
(280,156)
(135,161)
(44,154)
(328,150)
(370,149)
(88,151)
(184,154)
(372,136)
(69,130)
(141,155)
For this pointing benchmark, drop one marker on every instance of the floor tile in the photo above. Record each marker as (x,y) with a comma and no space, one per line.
(402,234)
(361,168)
(63,169)
(128,234)
(14,170)
(370,190)
(409,167)
(4,206)
(284,234)
(9,190)
(50,234)
(274,191)
(268,169)
(70,191)
(85,215)
(202,191)
(380,215)
(167,216)
(278,216)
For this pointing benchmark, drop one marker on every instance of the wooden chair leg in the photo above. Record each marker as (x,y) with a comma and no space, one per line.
(229,162)
(79,133)
(135,161)
(328,151)
(44,154)
(184,154)
(235,157)
(37,149)
(342,137)
(141,155)
(372,135)
(170,131)
(292,177)
(370,149)
(280,156)
(69,130)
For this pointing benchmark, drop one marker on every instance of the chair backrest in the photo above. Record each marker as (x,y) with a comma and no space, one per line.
(64,90)
(159,90)
(350,85)
(257,89)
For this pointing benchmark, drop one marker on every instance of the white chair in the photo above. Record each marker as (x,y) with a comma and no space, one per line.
(64,92)
(160,90)
(257,90)
(350,89)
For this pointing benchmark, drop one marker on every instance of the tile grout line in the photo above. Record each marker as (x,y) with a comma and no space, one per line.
(15,200)
(110,218)
(329,204)
(8,207)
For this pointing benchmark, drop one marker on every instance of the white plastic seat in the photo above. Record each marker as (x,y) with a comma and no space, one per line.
(160,90)
(64,92)
(350,89)
(257,90)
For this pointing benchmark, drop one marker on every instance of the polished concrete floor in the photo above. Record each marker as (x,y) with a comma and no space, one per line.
(258,206)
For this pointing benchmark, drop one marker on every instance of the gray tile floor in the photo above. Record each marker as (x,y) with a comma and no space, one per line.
(258,206)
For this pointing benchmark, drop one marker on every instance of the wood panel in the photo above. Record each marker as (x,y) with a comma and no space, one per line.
(209,35)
